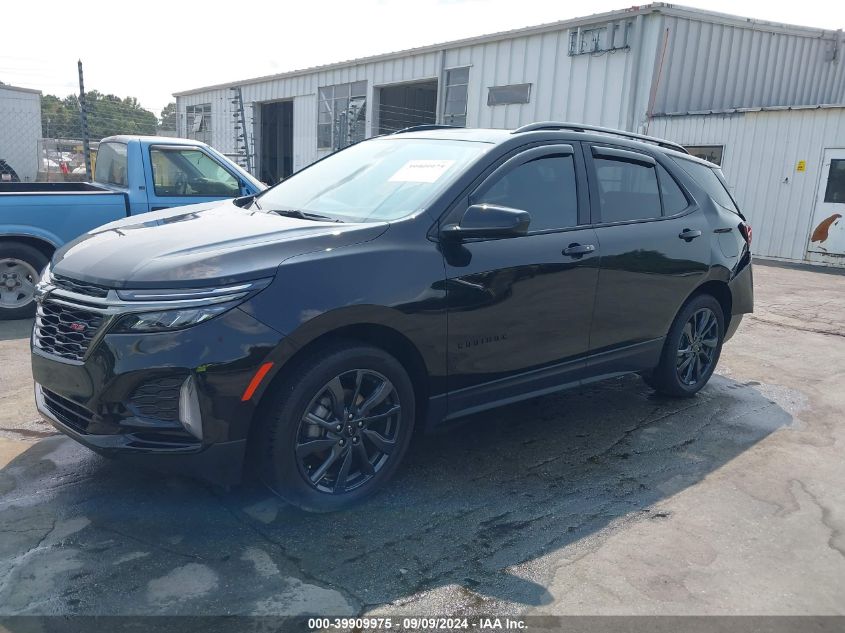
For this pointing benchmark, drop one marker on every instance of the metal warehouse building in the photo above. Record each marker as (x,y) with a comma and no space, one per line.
(765,100)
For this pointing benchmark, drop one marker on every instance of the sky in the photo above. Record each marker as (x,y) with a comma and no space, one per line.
(152,48)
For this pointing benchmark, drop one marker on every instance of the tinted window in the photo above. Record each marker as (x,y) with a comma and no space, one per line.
(111,164)
(544,187)
(627,191)
(708,180)
(674,200)
(190,172)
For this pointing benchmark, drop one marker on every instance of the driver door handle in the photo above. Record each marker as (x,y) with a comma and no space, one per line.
(577,250)
(688,235)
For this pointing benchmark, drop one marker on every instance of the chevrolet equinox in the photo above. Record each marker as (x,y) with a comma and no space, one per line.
(403,282)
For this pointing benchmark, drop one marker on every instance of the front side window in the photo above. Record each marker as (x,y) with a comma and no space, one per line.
(627,190)
(111,164)
(341,115)
(378,180)
(190,172)
(545,187)
(455,107)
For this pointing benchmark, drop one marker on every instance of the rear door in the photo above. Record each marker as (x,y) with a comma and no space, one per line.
(520,307)
(179,175)
(827,236)
(655,251)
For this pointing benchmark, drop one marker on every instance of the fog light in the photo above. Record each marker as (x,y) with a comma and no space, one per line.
(189,408)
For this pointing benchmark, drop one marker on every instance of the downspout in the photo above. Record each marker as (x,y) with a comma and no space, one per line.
(653,96)
(438,108)
(638,54)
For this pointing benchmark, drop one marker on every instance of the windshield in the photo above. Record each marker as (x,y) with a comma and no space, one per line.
(377,180)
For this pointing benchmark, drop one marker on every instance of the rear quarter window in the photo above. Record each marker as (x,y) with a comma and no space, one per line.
(708,178)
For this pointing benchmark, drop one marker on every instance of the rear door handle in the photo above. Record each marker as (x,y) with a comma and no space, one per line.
(578,250)
(688,235)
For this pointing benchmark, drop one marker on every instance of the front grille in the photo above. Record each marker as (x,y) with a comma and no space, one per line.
(79,287)
(65,331)
(158,399)
(68,412)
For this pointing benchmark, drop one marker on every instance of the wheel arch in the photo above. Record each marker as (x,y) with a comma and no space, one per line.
(376,335)
(45,246)
(720,291)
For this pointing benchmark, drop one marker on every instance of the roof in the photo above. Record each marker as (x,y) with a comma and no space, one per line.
(483,135)
(158,140)
(655,7)
(19,89)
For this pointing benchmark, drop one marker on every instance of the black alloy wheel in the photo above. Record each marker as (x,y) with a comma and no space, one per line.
(336,428)
(349,431)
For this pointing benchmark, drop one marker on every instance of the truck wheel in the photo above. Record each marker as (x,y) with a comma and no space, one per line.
(336,430)
(20,268)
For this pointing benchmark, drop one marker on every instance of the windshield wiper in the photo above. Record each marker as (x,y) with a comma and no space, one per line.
(303,215)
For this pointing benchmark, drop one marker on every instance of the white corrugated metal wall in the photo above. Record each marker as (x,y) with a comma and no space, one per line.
(20,108)
(760,161)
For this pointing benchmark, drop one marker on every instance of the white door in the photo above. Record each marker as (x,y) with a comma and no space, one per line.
(827,235)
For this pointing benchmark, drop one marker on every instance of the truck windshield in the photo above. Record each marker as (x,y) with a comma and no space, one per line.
(377,180)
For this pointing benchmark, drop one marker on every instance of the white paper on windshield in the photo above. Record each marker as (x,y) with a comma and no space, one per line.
(422,171)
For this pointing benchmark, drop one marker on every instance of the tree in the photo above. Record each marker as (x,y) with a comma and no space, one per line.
(167,120)
(107,115)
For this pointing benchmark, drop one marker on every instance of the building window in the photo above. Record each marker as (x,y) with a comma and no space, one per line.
(600,38)
(835,189)
(455,108)
(341,115)
(198,120)
(712,153)
(502,95)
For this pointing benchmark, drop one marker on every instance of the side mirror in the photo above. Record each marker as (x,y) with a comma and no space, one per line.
(488,220)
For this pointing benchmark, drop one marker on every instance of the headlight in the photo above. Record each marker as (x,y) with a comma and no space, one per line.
(169,319)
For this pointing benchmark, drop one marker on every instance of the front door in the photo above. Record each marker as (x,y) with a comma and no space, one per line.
(827,235)
(520,308)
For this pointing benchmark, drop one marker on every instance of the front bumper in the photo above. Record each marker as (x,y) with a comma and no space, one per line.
(125,397)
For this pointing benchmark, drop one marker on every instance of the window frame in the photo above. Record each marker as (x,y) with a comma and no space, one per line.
(349,97)
(491,91)
(190,148)
(203,134)
(449,117)
(636,155)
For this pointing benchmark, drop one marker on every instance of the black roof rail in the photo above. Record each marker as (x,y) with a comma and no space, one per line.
(579,127)
(424,127)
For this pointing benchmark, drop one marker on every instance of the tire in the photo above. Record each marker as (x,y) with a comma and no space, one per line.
(21,266)
(688,359)
(305,409)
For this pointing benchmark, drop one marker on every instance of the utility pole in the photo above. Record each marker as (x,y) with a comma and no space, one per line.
(83,113)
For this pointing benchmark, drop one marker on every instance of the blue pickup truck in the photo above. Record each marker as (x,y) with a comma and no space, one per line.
(133,174)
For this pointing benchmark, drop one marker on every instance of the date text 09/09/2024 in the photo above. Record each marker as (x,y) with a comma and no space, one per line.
(417,624)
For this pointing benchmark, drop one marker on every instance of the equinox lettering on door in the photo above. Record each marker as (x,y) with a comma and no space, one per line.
(482,340)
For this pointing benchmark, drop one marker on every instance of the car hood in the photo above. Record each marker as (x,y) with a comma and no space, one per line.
(199,245)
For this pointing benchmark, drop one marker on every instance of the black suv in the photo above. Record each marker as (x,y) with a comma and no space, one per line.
(403,282)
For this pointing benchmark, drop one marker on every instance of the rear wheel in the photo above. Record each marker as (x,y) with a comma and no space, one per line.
(337,430)
(691,350)
(20,268)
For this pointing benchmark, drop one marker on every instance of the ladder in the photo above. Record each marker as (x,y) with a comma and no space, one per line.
(243,143)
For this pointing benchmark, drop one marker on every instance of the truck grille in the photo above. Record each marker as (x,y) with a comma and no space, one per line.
(68,412)
(65,331)
(158,399)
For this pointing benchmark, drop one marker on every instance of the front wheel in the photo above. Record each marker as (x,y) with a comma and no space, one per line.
(691,350)
(336,431)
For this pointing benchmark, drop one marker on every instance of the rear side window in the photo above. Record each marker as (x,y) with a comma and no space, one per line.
(674,200)
(545,187)
(627,190)
(709,180)
(111,164)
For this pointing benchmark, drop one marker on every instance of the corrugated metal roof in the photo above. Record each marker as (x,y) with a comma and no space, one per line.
(672,10)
